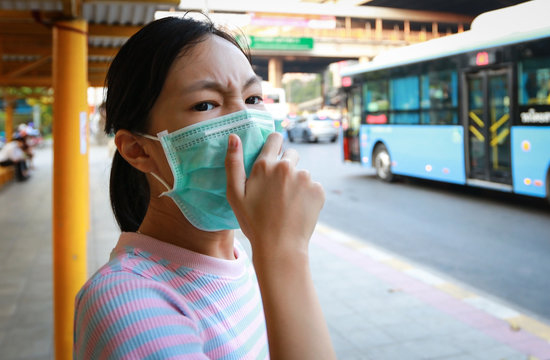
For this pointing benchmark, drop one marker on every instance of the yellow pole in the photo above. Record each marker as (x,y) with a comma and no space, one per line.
(86,160)
(8,125)
(69,183)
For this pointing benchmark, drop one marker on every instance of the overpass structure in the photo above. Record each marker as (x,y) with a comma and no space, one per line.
(306,37)
(286,37)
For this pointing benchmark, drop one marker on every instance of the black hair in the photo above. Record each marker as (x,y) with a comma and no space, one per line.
(134,82)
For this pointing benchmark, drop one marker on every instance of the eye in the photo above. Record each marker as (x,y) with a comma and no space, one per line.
(203,106)
(254,100)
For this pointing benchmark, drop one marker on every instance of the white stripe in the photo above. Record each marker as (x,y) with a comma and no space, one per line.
(237,124)
(226,127)
(425,276)
(493,308)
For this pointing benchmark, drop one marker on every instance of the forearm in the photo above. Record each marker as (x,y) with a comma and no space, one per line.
(295,323)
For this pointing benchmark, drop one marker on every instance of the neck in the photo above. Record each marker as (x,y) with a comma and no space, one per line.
(165,222)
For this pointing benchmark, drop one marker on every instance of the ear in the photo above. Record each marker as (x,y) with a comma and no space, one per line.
(135,150)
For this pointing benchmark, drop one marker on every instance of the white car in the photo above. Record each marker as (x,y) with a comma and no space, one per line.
(314,128)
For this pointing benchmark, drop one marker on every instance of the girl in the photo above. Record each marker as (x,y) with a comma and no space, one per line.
(196,158)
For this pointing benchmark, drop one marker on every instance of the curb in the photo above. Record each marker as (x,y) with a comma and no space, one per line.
(497,320)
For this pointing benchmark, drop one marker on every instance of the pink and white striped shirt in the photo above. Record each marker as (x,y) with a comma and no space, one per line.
(155,300)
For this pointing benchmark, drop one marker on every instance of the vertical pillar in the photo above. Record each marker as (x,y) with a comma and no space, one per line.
(435,30)
(407,29)
(275,72)
(368,29)
(8,124)
(69,183)
(378,29)
(460,28)
(348,25)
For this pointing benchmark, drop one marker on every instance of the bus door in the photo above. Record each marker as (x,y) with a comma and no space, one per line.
(352,123)
(487,125)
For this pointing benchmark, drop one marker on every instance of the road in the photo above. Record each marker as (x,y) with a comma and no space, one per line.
(496,243)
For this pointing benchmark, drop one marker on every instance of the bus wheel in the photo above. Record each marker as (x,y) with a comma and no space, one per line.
(382,164)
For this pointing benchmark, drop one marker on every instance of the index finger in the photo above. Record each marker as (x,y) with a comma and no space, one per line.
(272,147)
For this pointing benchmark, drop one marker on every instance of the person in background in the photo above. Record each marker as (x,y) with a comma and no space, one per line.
(13,154)
(197,157)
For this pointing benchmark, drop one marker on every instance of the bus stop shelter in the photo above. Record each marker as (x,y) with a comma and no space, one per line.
(66,45)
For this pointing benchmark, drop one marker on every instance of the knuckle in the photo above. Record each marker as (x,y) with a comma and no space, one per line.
(284,166)
(303,175)
(259,165)
(318,188)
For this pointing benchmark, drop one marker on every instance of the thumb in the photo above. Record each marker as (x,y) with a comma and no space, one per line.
(234,169)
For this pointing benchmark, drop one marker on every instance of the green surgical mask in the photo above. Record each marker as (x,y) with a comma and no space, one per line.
(196,155)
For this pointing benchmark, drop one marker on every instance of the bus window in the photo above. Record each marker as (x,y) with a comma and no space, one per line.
(439,98)
(375,96)
(534,77)
(404,100)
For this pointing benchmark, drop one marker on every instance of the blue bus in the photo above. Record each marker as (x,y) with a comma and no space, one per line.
(471,108)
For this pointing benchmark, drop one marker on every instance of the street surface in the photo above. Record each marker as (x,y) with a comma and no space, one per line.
(493,242)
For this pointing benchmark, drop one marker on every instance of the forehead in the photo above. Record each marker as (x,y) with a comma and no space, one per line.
(212,58)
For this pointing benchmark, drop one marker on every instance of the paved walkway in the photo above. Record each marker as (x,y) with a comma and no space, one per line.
(378,306)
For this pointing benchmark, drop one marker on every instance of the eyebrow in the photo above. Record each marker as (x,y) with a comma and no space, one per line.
(214,85)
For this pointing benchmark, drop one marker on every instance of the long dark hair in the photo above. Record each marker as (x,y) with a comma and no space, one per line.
(134,81)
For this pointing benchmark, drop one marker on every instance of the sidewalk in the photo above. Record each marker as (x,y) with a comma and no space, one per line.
(378,306)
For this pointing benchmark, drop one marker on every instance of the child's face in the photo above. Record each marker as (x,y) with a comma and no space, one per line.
(213,79)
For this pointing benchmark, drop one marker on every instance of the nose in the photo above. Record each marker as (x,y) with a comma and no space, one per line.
(236,106)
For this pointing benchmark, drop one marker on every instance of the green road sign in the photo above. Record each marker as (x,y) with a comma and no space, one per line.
(280,43)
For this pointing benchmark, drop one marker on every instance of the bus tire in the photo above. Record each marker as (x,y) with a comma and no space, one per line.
(382,164)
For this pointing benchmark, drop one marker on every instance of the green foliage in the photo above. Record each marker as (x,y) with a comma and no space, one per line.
(298,91)
(41,96)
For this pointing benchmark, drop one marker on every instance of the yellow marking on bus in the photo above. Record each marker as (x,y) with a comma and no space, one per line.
(494,151)
(498,139)
(499,123)
(477,120)
(476,133)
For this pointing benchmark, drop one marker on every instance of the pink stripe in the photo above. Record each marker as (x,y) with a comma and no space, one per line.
(223,350)
(166,341)
(132,307)
(259,346)
(176,282)
(96,305)
(210,333)
(124,287)
(144,325)
(178,255)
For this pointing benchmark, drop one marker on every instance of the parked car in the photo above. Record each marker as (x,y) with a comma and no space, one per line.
(314,128)
(290,120)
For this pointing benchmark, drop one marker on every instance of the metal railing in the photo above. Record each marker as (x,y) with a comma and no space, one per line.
(368,35)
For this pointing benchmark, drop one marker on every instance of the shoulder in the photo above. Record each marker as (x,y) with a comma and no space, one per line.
(120,313)
(124,279)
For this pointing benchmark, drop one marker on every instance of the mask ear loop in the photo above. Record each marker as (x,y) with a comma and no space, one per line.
(161,181)
(152,173)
